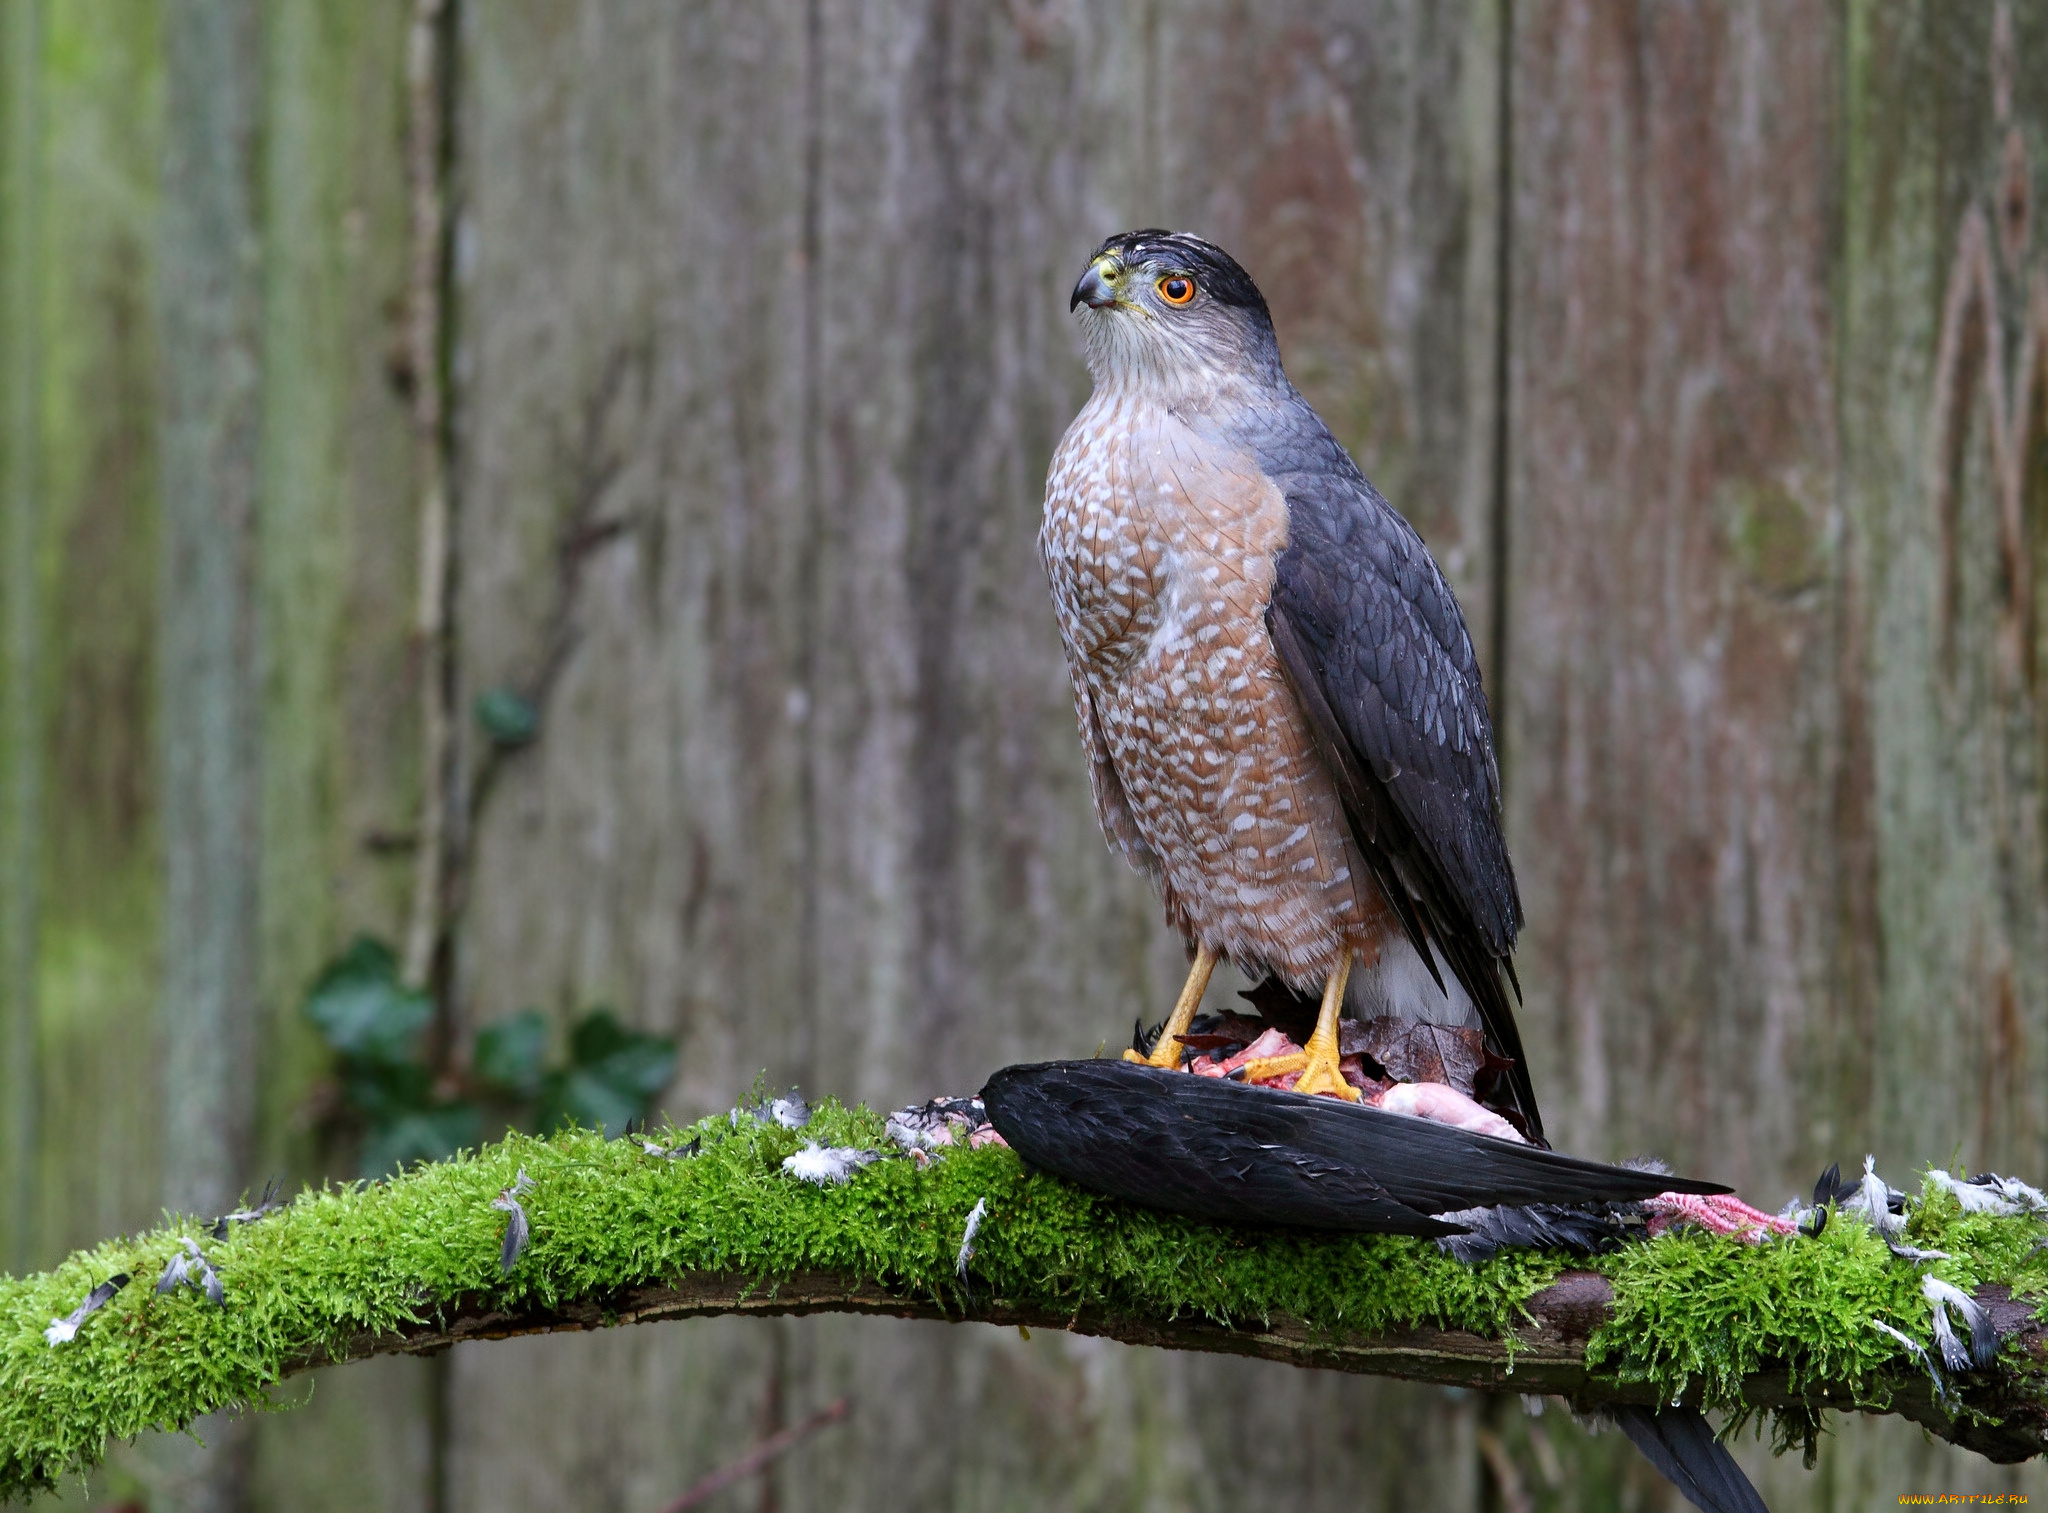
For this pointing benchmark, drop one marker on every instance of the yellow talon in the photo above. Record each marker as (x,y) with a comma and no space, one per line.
(1319,1063)
(1266,1068)
(1323,1074)
(1166,1051)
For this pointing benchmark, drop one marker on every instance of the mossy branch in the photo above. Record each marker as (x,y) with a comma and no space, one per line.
(619,1236)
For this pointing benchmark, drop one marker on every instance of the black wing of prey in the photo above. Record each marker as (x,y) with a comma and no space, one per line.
(1376,650)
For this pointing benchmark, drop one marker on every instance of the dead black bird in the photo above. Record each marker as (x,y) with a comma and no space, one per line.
(1239,1154)
(1236,1154)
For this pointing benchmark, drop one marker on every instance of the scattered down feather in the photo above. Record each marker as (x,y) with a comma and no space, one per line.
(1983,1348)
(790,1113)
(828,1165)
(517,1230)
(1918,1352)
(271,1201)
(1989,1193)
(974,1217)
(1884,1211)
(190,1268)
(66,1328)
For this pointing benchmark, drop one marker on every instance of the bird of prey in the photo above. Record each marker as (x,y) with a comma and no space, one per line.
(1276,688)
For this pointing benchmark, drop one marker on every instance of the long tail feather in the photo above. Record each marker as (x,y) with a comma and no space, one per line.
(1680,1443)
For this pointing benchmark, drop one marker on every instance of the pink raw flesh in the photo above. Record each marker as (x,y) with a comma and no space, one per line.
(1434,1101)
(1265,1048)
(1723,1213)
(1446,1105)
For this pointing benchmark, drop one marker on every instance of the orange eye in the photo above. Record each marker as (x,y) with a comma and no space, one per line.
(1177,289)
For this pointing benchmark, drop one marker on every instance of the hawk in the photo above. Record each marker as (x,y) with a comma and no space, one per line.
(1277,691)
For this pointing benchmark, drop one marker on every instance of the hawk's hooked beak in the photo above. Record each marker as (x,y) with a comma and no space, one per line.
(1097,289)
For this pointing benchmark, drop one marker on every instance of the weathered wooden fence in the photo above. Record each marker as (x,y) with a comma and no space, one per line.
(1703,341)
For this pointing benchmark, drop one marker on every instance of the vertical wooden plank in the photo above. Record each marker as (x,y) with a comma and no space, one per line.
(209,311)
(21,63)
(631,529)
(1762,859)
(340,758)
(1676,584)
(335,577)
(1943,410)
(209,296)
(88,710)
(1943,404)
(1681,751)
(98,880)
(630,497)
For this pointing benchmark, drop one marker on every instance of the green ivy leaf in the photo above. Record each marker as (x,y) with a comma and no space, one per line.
(642,1069)
(582,1098)
(512,1053)
(635,1063)
(384,1091)
(597,1035)
(361,1008)
(506,716)
(425,1135)
(613,1077)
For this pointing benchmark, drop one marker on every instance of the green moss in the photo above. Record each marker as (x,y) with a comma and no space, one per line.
(1700,1312)
(348,1259)
(368,1257)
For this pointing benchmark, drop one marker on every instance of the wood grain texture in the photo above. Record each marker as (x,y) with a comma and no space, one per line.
(97,877)
(1675,600)
(1775,910)
(317,561)
(1547,1355)
(208,315)
(1944,273)
(336,573)
(21,767)
(760,351)
(335,584)
(209,311)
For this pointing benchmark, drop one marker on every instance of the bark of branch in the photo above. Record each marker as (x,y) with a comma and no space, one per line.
(1996,1413)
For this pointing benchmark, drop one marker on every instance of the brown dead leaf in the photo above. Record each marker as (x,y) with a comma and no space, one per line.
(1220,1031)
(1418,1051)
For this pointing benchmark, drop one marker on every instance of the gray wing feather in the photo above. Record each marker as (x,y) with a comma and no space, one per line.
(1374,643)
(1395,663)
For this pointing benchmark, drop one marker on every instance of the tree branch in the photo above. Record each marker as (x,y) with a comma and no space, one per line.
(711,1221)
(1547,1356)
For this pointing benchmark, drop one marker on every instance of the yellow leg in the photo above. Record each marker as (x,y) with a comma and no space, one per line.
(1166,1052)
(1320,1072)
